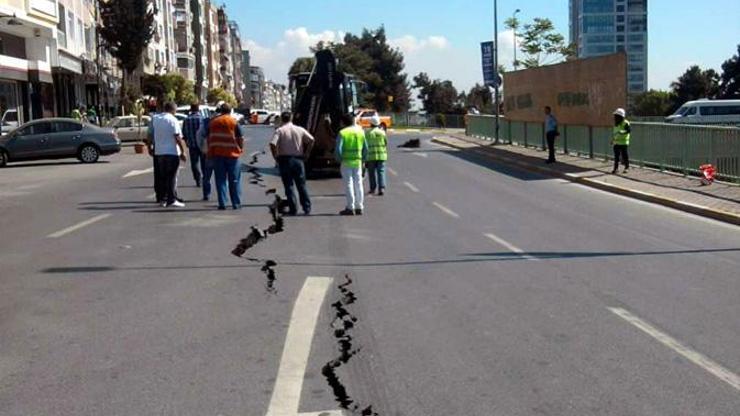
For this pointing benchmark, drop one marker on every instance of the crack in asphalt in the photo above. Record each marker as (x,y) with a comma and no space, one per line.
(411,144)
(344,323)
(257,235)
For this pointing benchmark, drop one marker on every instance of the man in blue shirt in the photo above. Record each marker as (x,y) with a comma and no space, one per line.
(551,133)
(190,128)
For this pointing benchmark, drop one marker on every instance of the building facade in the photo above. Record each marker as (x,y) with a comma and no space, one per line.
(213,55)
(246,90)
(27,42)
(256,86)
(199,27)
(602,27)
(275,97)
(161,56)
(236,60)
(184,39)
(226,68)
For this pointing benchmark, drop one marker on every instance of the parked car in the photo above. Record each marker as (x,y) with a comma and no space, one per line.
(58,138)
(364,116)
(707,112)
(129,129)
(9,121)
(205,110)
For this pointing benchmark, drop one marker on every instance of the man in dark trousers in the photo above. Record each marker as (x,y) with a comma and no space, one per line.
(621,135)
(190,127)
(290,146)
(551,133)
(168,149)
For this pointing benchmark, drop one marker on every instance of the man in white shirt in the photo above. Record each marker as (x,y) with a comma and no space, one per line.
(168,149)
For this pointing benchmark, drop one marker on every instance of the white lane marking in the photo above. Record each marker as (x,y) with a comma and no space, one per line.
(510,246)
(411,186)
(93,220)
(424,155)
(446,210)
(392,172)
(152,196)
(326,413)
(286,395)
(138,173)
(695,357)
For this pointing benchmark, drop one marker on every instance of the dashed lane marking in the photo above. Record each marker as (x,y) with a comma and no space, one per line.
(411,186)
(392,171)
(695,357)
(510,246)
(138,173)
(83,224)
(420,154)
(286,395)
(446,210)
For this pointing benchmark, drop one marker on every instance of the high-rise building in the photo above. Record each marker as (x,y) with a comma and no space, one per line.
(226,63)
(160,56)
(200,27)
(184,38)
(213,55)
(256,86)
(246,90)
(602,27)
(236,60)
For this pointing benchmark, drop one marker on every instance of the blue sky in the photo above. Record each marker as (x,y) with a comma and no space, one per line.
(442,37)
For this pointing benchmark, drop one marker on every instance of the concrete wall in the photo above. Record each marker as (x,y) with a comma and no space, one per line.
(584,91)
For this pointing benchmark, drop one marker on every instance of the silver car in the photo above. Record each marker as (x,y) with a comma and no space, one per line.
(129,129)
(58,138)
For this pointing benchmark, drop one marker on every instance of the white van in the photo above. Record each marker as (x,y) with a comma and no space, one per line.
(723,112)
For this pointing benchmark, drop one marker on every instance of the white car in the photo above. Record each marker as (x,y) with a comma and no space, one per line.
(9,121)
(129,129)
(725,112)
(261,116)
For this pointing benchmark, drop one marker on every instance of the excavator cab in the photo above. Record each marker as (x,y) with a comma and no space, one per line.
(320,99)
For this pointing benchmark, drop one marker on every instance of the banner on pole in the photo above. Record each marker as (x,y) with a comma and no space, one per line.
(491,77)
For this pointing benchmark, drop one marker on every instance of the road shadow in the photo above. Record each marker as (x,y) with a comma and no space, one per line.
(108,269)
(484,159)
(20,165)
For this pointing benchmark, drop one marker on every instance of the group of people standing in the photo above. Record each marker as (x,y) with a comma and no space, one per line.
(214,145)
(621,134)
(355,150)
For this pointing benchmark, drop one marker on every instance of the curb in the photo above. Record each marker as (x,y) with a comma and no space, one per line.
(642,196)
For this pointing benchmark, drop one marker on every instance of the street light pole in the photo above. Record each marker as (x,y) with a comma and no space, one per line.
(495,64)
(513,17)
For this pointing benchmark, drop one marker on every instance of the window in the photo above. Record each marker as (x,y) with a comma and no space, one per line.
(636,78)
(598,6)
(598,24)
(599,39)
(620,38)
(636,6)
(43,127)
(70,26)
(125,122)
(620,9)
(620,18)
(66,126)
(599,49)
(620,28)
(725,110)
(80,33)
(637,23)
(636,48)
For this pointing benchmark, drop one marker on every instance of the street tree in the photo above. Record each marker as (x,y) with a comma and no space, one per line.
(729,87)
(218,94)
(481,98)
(375,62)
(302,65)
(169,87)
(540,43)
(438,96)
(694,84)
(652,103)
(126,28)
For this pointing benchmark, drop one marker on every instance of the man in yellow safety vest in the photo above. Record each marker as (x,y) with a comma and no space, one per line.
(621,139)
(377,155)
(351,151)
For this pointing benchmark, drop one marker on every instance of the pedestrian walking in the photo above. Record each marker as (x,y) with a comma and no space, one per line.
(621,140)
(551,133)
(377,156)
(168,148)
(290,146)
(190,128)
(351,151)
(225,146)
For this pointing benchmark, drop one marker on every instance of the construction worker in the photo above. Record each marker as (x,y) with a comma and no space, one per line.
(76,114)
(225,146)
(377,155)
(621,140)
(351,150)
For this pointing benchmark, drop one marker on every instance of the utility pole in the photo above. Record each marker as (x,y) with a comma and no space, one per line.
(495,63)
(513,17)
(98,64)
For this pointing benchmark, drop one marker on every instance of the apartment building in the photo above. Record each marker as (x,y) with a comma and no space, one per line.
(161,56)
(236,60)
(213,55)
(256,86)
(226,62)
(27,31)
(184,39)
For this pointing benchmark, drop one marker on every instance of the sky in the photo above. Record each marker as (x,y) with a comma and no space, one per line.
(443,38)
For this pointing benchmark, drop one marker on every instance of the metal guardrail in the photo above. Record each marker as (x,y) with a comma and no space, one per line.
(679,148)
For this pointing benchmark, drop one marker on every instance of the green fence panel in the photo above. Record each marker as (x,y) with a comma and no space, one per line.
(577,139)
(517,132)
(535,134)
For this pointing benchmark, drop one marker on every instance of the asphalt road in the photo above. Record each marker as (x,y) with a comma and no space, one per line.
(469,289)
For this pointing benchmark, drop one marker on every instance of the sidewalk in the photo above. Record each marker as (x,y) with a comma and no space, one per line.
(720,201)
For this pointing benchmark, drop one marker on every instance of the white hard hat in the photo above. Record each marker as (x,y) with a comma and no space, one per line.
(620,112)
(375,120)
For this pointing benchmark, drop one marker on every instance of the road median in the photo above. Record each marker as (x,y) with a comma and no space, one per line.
(721,203)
